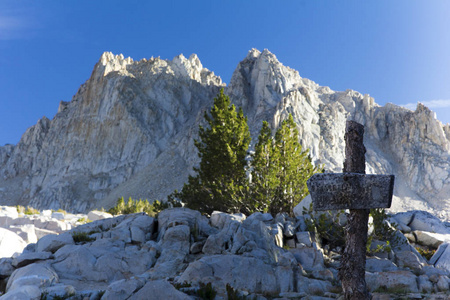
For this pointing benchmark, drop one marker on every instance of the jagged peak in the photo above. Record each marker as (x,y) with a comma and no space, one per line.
(109,57)
(193,62)
(422,108)
(109,62)
(269,80)
(193,68)
(255,54)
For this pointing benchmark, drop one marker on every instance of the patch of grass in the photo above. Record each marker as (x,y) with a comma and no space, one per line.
(20,209)
(31,211)
(206,291)
(136,206)
(286,247)
(181,285)
(82,237)
(28,210)
(84,220)
(428,254)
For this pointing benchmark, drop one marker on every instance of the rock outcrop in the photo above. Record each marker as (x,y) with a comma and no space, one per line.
(129,131)
(180,252)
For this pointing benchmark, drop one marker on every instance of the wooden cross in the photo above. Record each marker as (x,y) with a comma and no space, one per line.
(358,192)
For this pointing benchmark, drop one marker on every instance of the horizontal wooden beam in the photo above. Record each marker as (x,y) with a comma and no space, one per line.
(331,191)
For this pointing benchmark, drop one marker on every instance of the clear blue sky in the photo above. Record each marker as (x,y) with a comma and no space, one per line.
(396,51)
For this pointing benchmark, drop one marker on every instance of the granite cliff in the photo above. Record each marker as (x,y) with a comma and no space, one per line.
(129,131)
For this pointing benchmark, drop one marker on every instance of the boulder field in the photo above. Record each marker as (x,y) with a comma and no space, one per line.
(183,254)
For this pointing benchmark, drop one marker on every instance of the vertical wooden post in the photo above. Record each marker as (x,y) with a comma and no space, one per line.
(353,261)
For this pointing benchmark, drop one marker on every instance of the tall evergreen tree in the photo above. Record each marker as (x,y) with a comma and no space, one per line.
(294,168)
(221,182)
(264,180)
(280,169)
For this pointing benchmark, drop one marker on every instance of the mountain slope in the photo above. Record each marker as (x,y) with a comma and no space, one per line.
(119,121)
(413,145)
(129,132)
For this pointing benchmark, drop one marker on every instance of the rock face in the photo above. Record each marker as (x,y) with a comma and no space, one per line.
(129,121)
(129,131)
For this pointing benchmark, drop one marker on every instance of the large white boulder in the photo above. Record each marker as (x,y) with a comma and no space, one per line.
(309,257)
(123,289)
(184,216)
(95,215)
(392,281)
(376,264)
(30,257)
(51,243)
(40,233)
(159,289)
(424,221)
(10,243)
(302,206)
(441,259)
(175,247)
(26,232)
(26,292)
(242,273)
(39,275)
(431,239)
(218,218)
(7,215)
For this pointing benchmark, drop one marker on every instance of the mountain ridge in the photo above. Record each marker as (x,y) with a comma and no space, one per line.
(129,131)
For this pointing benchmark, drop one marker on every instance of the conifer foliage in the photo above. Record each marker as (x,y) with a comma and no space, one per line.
(221,182)
(280,169)
(264,179)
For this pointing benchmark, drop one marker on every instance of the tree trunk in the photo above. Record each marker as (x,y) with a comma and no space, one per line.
(353,261)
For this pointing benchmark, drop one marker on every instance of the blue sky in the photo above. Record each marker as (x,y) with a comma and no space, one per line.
(396,51)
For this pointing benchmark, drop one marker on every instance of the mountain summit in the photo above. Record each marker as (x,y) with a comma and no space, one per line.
(129,131)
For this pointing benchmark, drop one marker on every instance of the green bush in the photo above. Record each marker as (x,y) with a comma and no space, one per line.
(427,253)
(327,227)
(28,210)
(82,237)
(84,220)
(136,206)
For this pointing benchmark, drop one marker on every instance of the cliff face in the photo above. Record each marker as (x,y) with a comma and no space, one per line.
(413,145)
(117,124)
(129,131)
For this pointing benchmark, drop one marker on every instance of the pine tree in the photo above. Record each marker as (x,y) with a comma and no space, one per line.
(221,182)
(264,180)
(280,169)
(294,168)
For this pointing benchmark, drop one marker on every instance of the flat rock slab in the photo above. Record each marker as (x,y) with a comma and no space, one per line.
(333,191)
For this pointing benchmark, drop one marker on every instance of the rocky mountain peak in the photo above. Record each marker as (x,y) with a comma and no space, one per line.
(129,131)
(193,68)
(112,63)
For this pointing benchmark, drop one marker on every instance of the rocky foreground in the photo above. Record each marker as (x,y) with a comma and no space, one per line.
(176,255)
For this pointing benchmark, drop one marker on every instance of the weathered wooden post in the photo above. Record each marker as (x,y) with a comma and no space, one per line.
(358,192)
